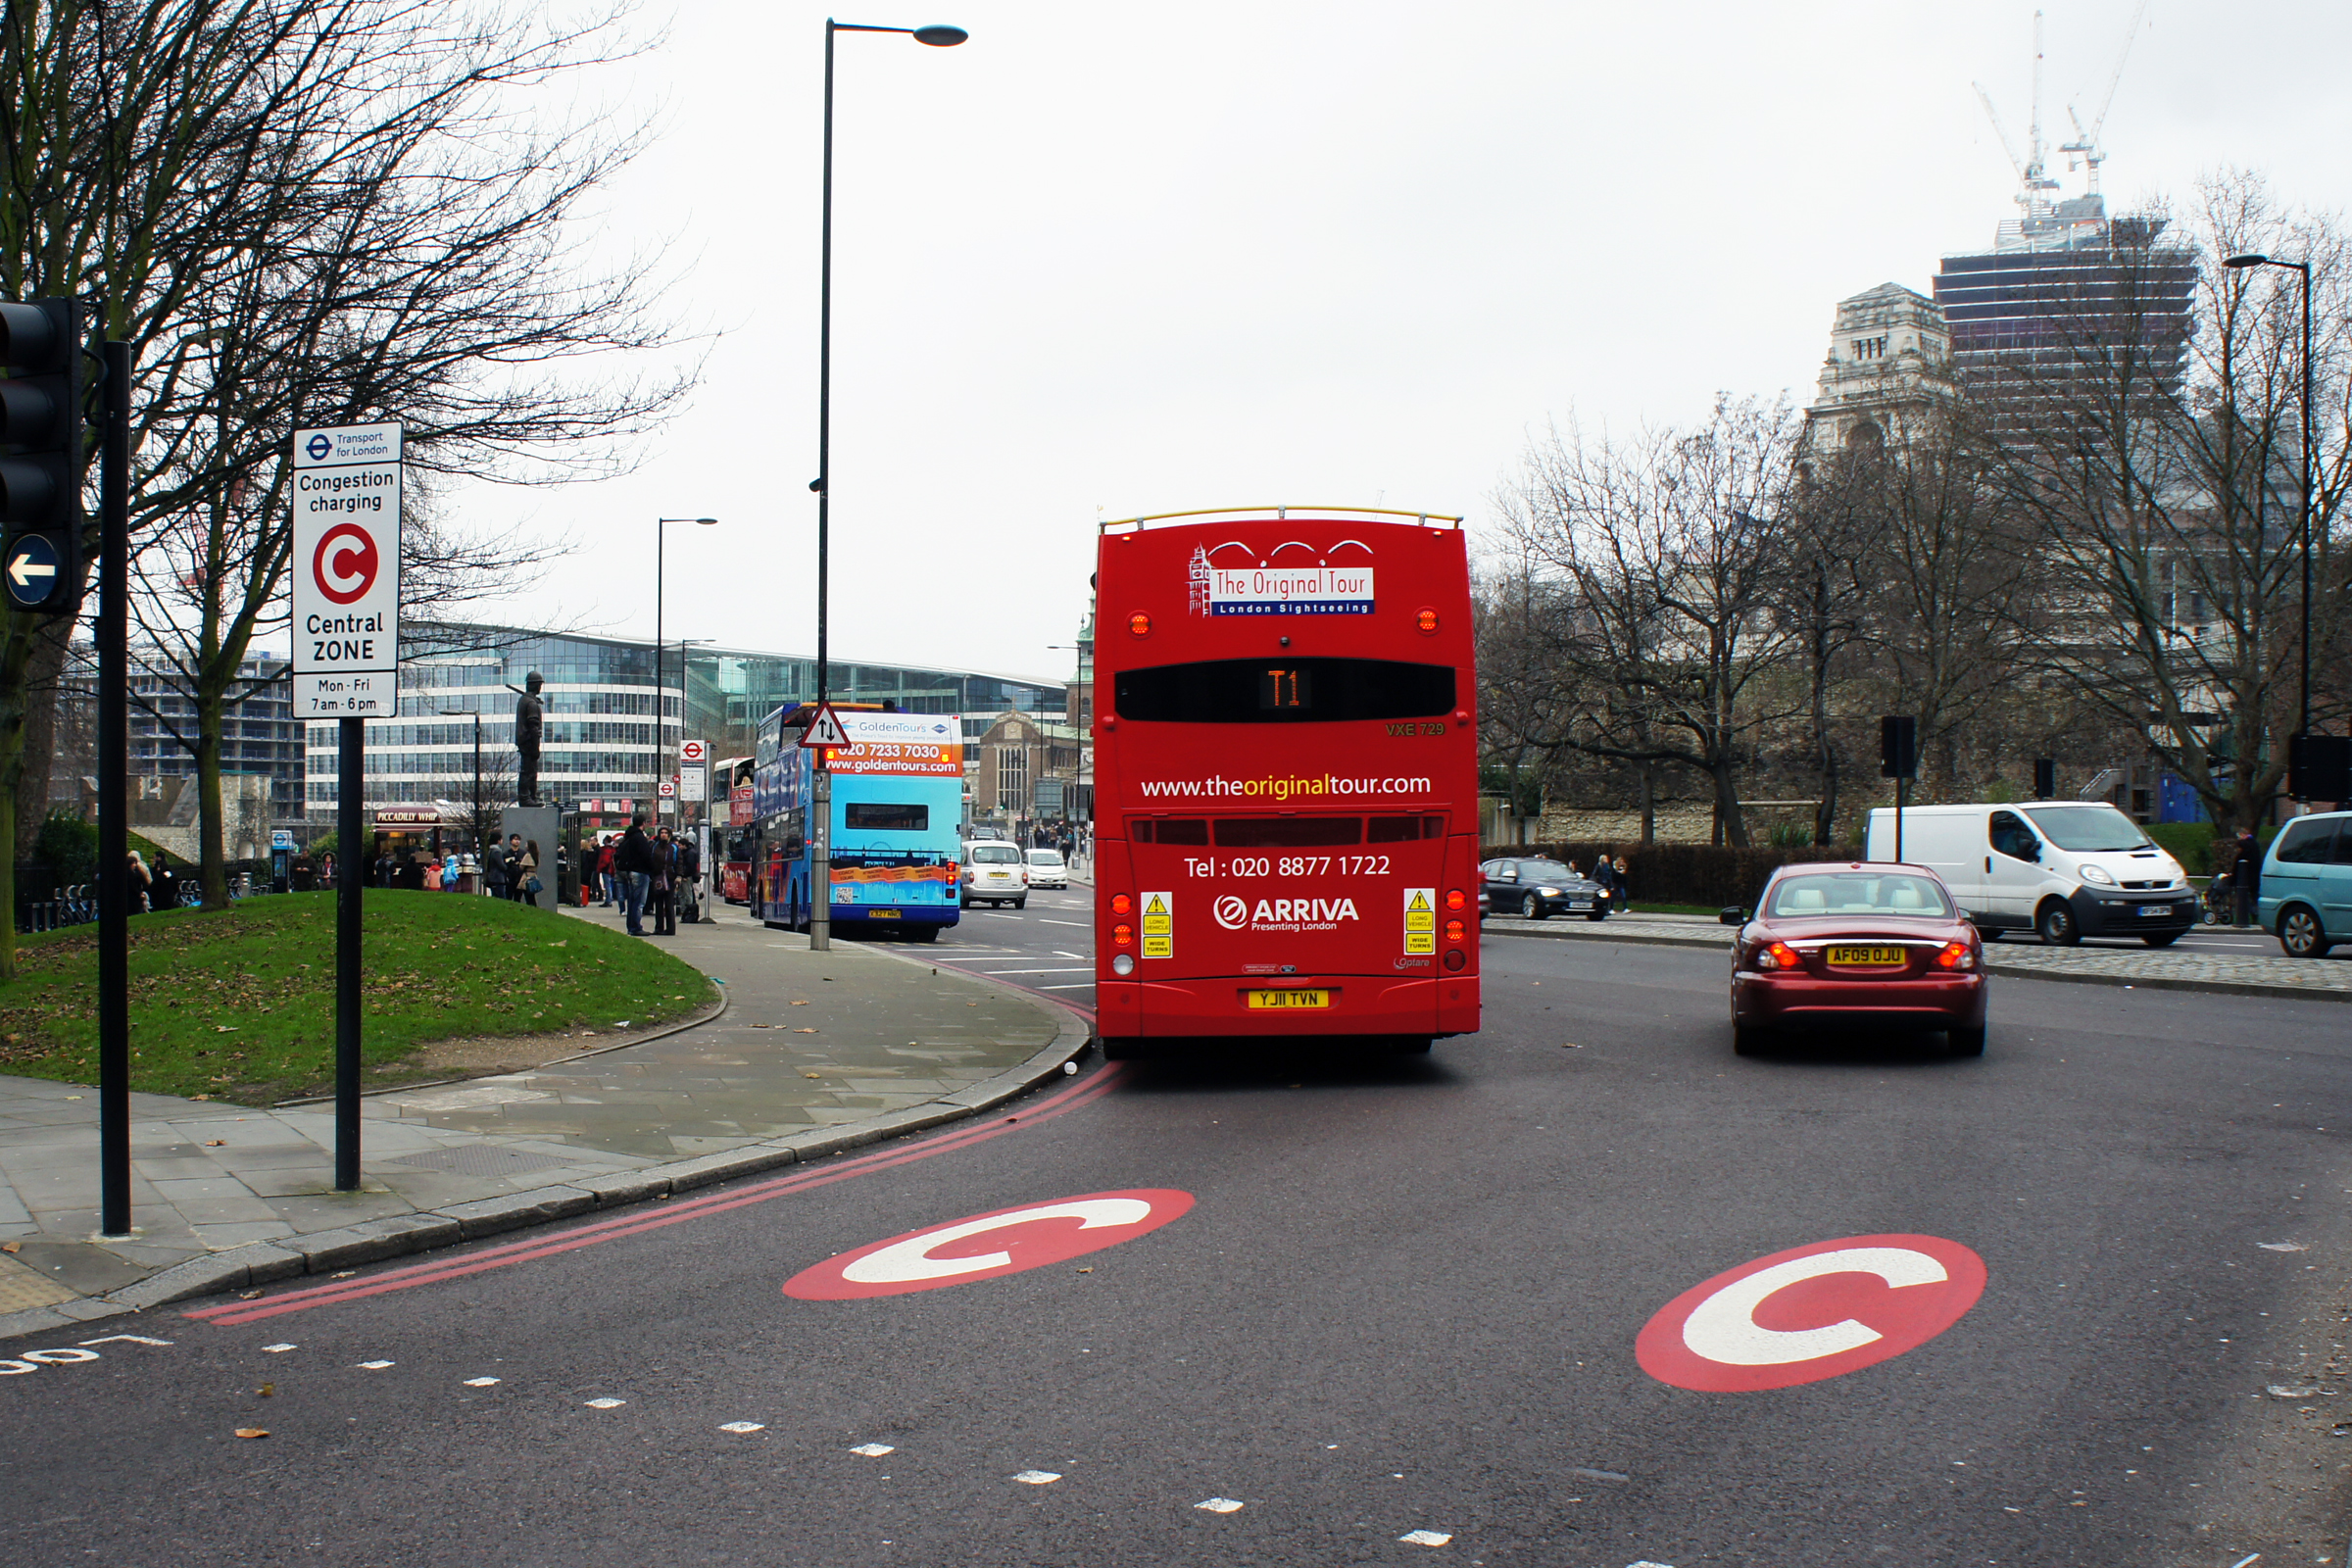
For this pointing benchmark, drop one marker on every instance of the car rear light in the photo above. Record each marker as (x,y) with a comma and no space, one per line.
(1140,624)
(1956,956)
(1454,899)
(1454,930)
(1123,934)
(1456,958)
(1426,621)
(1777,956)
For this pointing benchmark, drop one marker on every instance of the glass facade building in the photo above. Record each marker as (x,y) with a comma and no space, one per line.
(259,733)
(600,739)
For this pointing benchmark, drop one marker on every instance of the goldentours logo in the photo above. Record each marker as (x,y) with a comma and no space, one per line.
(1232,914)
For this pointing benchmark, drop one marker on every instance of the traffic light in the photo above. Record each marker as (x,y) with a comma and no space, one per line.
(2045,778)
(42,446)
(2319,767)
(1898,746)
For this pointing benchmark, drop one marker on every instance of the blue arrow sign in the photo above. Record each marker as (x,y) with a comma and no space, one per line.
(31,571)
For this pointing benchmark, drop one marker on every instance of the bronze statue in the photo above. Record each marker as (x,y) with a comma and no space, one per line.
(528,721)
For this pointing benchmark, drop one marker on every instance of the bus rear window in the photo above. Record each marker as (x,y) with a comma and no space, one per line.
(887,816)
(1287,832)
(1284,691)
(1170,830)
(1401,829)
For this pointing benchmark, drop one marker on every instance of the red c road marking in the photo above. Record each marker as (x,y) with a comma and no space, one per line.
(1811,1313)
(344,566)
(1003,1240)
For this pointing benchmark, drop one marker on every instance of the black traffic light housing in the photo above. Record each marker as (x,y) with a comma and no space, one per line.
(1898,746)
(41,452)
(2045,778)
(2320,767)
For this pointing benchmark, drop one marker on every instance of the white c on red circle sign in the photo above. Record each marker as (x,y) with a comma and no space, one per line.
(1809,1314)
(345,563)
(1004,1241)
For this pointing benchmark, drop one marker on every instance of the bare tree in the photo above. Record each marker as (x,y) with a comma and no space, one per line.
(1667,550)
(418,274)
(2165,500)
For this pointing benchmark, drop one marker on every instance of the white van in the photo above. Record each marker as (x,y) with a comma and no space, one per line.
(2066,869)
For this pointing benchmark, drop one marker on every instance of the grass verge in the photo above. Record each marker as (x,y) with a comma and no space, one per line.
(241,1006)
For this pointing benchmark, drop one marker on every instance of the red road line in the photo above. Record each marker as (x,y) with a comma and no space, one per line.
(637,1223)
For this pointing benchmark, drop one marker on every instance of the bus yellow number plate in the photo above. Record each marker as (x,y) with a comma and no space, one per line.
(1868,958)
(1290,998)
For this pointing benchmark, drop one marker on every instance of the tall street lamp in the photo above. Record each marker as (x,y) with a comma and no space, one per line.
(481,807)
(2295,764)
(820,804)
(660,751)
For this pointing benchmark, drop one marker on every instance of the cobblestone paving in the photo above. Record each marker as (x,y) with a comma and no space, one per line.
(2329,977)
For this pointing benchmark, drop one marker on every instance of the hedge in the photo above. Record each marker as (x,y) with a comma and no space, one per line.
(1706,875)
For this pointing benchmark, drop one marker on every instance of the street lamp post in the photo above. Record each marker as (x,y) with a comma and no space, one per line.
(481,806)
(660,751)
(820,803)
(2303,708)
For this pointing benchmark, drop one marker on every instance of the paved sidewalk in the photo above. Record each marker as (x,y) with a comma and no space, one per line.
(2158,968)
(813,1052)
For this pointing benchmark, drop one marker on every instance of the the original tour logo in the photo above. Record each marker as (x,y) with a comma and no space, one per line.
(1310,583)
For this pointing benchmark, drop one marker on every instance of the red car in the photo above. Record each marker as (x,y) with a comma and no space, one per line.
(1862,942)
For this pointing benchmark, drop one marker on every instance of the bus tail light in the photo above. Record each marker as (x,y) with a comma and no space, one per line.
(1455,899)
(1121,904)
(1140,624)
(1454,930)
(1123,934)
(1455,959)
(1123,963)
(1426,621)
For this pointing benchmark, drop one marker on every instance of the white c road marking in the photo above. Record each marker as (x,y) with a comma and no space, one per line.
(1723,1328)
(909,1261)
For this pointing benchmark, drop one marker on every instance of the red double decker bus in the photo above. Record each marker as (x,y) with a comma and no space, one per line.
(1285,778)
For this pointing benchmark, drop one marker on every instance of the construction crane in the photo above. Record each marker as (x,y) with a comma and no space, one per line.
(2030,170)
(2085,144)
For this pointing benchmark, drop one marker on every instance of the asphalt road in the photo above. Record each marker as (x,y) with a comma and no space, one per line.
(1405,1298)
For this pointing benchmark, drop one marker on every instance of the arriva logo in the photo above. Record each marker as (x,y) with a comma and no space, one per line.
(1319,910)
(1232,914)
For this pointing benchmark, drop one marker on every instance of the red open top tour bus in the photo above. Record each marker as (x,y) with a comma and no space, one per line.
(1285,778)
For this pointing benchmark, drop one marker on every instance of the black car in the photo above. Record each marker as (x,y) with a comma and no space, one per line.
(1537,889)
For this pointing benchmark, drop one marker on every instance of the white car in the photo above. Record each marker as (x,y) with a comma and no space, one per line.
(1046,869)
(994,873)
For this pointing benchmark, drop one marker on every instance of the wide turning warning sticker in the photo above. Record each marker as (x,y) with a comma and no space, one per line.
(1420,921)
(1160,925)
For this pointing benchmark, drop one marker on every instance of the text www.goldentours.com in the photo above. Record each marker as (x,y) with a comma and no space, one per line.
(1280,788)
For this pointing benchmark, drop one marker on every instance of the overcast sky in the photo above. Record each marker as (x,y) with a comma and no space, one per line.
(1109,258)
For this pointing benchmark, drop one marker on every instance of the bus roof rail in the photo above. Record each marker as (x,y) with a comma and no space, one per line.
(1427,518)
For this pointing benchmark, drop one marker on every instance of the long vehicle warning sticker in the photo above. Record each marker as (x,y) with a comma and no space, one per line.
(1420,920)
(1159,926)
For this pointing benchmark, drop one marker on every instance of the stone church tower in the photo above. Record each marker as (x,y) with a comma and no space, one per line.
(1890,366)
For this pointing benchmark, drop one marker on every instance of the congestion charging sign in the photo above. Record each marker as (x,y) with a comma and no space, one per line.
(346,570)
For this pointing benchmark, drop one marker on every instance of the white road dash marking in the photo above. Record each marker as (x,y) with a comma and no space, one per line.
(375,1366)
(1038,1478)
(1087,985)
(276,1350)
(1424,1538)
(743,1426)
(1082,925)
(126,1339)
(873,1450)
(605,1404)
(1060,968)
(1647,1563)
(1221,1506)
(1080,956)
(479,1382)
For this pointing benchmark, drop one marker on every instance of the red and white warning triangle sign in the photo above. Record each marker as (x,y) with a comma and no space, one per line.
(826,729)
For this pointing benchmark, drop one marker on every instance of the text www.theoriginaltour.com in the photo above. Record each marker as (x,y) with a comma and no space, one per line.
(1281,788)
